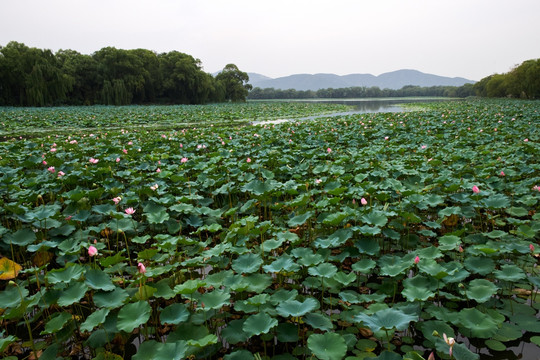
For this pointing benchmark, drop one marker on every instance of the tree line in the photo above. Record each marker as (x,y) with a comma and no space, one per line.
(110,76)
(362,92)
(522,82)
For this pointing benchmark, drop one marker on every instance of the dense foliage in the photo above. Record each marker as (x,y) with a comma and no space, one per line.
(522,82)
(385,236)
(363,92)
(110,76)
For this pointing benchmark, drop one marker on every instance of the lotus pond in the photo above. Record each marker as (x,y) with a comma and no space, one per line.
(386,236)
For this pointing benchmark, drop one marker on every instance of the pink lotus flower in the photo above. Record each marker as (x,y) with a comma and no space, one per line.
(124,151)
(502,173)
(526,140)
(386,138)
(117,160)
(93,161)
(53,150)
(51,169)
(44,162)
(536,187)
(158,170)
(424,146)
(141,268)
(329,150)
(248,160)
(184,160)
(130,211)
(318,181)
(61,173)
(475,189)
(416,260)
(92,251)
(531,247)
(154,187)
(130,143)
(450,342)
(117,200)
(363,201)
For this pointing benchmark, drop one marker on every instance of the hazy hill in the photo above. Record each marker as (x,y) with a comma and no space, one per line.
(390,80)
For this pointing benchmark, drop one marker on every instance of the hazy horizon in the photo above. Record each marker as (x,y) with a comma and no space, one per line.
(454,39)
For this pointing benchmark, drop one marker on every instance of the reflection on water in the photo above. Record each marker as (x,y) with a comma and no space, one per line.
(359,106)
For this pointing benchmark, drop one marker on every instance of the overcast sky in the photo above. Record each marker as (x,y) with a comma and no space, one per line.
(465,38)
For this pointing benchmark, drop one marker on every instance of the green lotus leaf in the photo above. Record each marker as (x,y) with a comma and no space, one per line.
(368,246)
(481,290)
(22,237)
(327,346)
(429,328)
(72,294)
(233,332)
(369,230)
(67,274)
(508,332)
(174,314)
(527,322)
(496,234)
(11,296)
(386,319)
(527,231)
(98,280)
(479,265)
(300,219)
(258,324)
(133,315)
(336,239)
(495,345)
(56,323)
(283,263)
(476,323)
(153,350)
(271,244)
(215,299)
(163,290)
(419,288)
(110,299)
(283,295)
(290,237)
(257,283)
(449,242)
(258,187)
(318,321)
(345,278)
(239,355)
(96,318)
(141,239)
(44,212)
(375,218)
(388,355)
(247,263)
(296,308)
(453,210)
(287,332)
(496,201)
(189,286)
(333,218)
(517,211)
(157,217)
(432,268)
(510,272)
(6,341)
(364,266)
(324,270)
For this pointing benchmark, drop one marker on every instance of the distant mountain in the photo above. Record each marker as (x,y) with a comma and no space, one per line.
(390,80)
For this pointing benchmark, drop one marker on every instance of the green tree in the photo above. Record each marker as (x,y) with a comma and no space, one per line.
(234,82)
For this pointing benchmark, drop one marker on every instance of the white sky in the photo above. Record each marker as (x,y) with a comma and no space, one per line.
(466,38)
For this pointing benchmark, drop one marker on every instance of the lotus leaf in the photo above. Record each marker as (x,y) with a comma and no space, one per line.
(133,315)
(327,346)
(258,324)
(296,308)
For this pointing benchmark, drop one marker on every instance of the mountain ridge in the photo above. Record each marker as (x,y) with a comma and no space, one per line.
(389,80)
